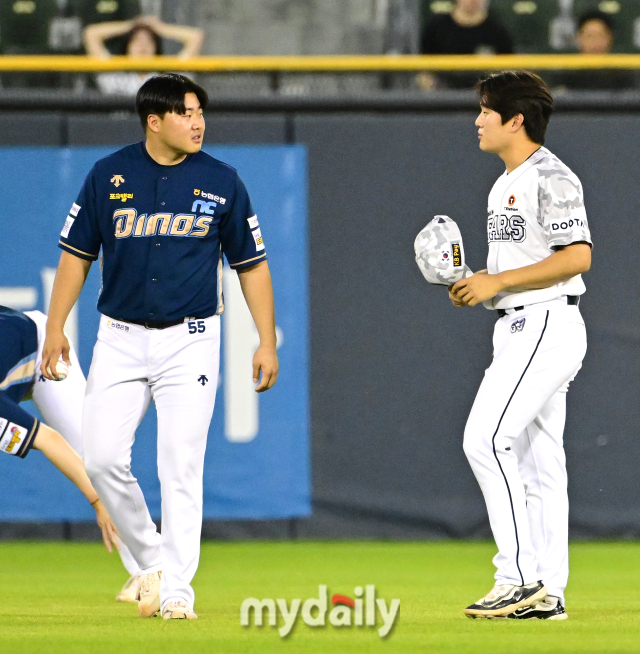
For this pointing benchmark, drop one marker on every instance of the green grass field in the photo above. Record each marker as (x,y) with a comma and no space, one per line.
(58,598)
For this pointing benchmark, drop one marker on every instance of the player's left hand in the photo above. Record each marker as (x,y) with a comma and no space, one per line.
(265,360)
(475,289)
(109,531)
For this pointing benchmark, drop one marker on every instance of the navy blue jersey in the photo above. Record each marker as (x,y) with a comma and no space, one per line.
(18,352)
(162,231)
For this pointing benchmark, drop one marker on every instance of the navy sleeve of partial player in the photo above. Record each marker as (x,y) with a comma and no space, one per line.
(18,428)
(80,235)
(240,234)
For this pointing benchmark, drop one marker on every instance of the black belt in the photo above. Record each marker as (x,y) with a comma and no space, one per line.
(155,324)
(571,299)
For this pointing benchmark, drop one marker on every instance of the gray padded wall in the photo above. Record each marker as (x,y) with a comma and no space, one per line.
(103,129)
(395,366)
(393,376)
(30,128)
(119,129)
(602,444)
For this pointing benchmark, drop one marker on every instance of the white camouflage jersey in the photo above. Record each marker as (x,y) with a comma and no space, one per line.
(532,211)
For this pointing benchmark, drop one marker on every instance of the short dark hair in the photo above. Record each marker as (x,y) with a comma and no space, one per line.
(165,94)
(519,92)
(596,15)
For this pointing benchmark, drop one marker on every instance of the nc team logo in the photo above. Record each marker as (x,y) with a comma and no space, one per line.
(200,206)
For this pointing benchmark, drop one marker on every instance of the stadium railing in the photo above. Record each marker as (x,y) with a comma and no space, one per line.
(323,82)
(319,64)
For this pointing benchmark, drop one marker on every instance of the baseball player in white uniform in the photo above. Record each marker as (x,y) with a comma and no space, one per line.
(539,244)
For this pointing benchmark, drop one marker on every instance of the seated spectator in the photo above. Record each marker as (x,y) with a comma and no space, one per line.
(468,29)
(595,37)
(143,39)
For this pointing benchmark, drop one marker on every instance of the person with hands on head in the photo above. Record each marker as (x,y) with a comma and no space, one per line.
(539,244)
(163,213)
(143,39)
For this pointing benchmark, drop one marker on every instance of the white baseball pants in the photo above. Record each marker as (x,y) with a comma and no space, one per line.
(60,404)
(514,441)
(177,368)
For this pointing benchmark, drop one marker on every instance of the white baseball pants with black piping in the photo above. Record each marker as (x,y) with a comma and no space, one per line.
(177,368)
(514,441)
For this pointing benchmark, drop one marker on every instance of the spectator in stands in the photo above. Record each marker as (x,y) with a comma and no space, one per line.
(143,39)
(468,29)
(595,36)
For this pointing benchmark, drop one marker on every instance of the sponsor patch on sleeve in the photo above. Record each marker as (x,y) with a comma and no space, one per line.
(257,237)
(67,226)
(253,222)
(12,439)
(568,224)
(74,209)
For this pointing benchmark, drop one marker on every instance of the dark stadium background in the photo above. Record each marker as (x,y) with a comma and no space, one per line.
(394,367)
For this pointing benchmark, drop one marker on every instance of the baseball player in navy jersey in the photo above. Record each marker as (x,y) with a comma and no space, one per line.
(539,244)
(163,213)
(59,402)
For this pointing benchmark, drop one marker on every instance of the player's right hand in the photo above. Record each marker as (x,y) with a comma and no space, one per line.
(109,531)
(56,344)
(454,300)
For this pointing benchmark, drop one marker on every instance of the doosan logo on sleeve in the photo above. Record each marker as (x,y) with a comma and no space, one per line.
(362,610)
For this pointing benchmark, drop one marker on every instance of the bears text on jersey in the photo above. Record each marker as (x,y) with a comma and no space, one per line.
(501,228)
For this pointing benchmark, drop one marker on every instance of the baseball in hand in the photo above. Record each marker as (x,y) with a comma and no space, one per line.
(62,369)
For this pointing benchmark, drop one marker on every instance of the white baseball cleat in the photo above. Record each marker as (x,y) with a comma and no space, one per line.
(129,592)
(178,610)
(149,594)
(503,600)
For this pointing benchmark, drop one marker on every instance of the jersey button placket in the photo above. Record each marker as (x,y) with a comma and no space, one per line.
(155,263)
(154,268)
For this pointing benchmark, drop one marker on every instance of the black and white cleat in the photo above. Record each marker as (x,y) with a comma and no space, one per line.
(504,600)
(549,609)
